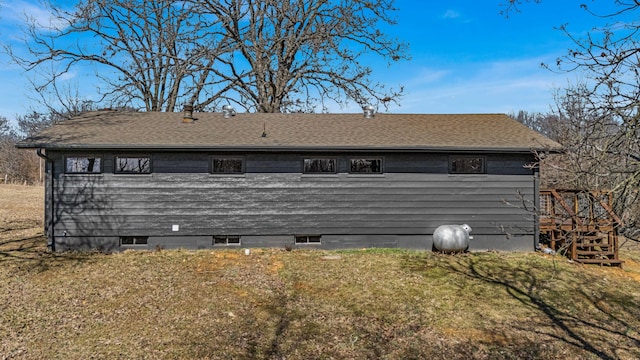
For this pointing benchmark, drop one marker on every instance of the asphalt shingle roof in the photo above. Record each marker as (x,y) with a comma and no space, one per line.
(161,130)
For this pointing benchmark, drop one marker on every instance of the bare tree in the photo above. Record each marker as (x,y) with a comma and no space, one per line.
(295,54)
(599,119)
(142,51)
(547,124)
(265,56)
(61,101)
(5,128)
(33,123)
(609,146)
(17,165)
(511,6)
(7,141)
(601,153)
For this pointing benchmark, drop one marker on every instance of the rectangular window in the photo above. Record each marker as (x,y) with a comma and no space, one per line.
(83,165)
(314,166)
(226,240)
(133,240)
(307,239)
(132,165)
(467,165)
(367,166)
(227,165)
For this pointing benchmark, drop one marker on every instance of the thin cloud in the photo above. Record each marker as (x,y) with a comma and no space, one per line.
(428,76)
(67,76)
(23,12)
(490,87)
(451,14)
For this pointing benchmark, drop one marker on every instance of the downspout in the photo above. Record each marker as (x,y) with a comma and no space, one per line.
(50,226)
(536,209)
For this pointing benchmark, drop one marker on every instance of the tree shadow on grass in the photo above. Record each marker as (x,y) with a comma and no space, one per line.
(599,320)
(31,254)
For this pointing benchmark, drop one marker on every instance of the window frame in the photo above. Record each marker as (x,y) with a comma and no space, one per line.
(330,158)
(87,156)
(144,241)
(128,156)
(453,158)
(226,238)
(307,239)
(366,158)
(212,158)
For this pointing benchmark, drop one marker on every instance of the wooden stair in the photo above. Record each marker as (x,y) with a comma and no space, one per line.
(599,249)
(582,223)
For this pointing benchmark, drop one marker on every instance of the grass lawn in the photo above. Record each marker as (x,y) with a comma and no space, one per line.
(277,304)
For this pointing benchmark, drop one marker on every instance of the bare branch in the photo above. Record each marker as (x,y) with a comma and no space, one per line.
(267,56)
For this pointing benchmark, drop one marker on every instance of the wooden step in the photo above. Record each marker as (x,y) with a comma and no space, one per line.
(589,251)
(594,252)
(591,241)
(592,237)
(602,246)
(600,261)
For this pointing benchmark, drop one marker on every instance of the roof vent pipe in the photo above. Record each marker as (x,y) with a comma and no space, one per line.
(368,111)
(187,116)
(228,111)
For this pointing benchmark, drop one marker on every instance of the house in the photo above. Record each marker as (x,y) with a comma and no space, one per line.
(119,180)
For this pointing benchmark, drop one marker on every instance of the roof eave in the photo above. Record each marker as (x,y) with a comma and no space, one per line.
(282,148)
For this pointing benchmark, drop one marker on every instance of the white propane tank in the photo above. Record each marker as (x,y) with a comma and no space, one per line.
(452,238)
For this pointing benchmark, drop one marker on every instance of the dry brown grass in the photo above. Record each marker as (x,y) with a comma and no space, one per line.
(21,208)
(21,218)
(276,304)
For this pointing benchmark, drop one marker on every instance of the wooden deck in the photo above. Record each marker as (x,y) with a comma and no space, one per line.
(581,224)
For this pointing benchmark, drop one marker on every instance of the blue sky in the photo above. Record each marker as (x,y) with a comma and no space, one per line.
(466,56)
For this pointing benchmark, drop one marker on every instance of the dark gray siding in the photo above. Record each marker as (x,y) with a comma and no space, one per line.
(273,201)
